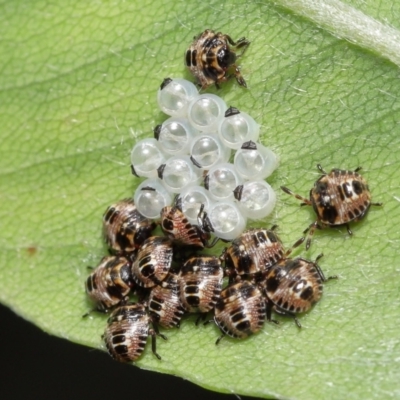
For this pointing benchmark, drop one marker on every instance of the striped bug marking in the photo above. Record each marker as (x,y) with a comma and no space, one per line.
(338,197)
(110,282)
(200,282)
(128,328)
(153,261)
(293,286)
(210,57)
(164,303)
(177,227)
(254,252)
(124,228)
(240,311)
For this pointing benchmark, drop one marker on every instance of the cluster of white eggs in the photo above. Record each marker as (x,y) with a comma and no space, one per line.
(193,147)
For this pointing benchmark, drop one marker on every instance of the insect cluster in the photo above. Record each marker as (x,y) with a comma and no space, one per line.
(156,273)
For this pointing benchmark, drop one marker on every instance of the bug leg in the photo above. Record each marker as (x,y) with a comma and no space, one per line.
(219,339)
(305,201)
(310,229)
(287,313)
(239,78)
(297,321)
(178,203)
(321,274)
(350,232)
(231,41)
(318,258)
(332,277)
(240,43)
(154,343)
(213,243)
(99,309)
(321,169)
(201,317)
(377,204)
(201,216)
(358,169)
(319,270)
(223,255)
(154,333)
(269,307)
(296,244)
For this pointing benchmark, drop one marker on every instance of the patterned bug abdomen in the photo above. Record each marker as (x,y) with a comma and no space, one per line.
(110,282)
(180,230)
(240,310)
(126,333)
(164,303)
(254,251)
(153,261)
(340,197)
(294,285)
(124,228)
(200,283)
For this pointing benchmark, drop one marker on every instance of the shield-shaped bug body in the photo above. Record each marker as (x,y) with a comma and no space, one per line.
(338,197)
(240,311)
(200,283)
(254,252)
(153,261)
(110,283)
(126,333)
(177,227)
(293,286)
(164,303)
(210,57)
(125,229)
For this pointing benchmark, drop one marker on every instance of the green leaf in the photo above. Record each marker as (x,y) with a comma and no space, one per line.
(78,88)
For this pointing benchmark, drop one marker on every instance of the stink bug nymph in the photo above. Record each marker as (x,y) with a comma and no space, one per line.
(338,197)
(125,229)
(254,251)
(210,57)
(153,261)
(240,311)
(165,305)
(293,286)
(126,333)
(110,282)
(200,282)
(177,227)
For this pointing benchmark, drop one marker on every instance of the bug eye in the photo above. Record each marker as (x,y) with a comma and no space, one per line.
(226,58)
